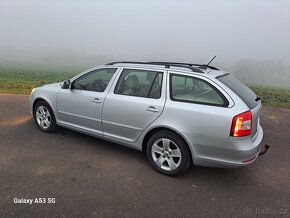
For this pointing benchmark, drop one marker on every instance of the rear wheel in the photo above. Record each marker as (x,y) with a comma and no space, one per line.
(168,153)
(44,117)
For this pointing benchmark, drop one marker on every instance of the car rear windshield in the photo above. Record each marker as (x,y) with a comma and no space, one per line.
(245,93)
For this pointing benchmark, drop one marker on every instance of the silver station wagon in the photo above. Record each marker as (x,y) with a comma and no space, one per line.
(177,113)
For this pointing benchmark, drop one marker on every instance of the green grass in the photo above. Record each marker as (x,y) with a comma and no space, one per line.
(14,80)
(21,80)
(273,96)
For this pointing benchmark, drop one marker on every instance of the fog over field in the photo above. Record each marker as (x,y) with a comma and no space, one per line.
(251,38)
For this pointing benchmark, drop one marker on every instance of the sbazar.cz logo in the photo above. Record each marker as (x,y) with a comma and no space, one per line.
(34,200)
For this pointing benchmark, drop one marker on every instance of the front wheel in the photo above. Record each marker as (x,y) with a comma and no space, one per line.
(44,117)
(168,153)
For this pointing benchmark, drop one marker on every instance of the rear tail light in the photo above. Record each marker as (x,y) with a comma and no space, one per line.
(242,125)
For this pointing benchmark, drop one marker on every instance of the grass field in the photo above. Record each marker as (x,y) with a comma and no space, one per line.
(21,80)
(16,80)
(273,96)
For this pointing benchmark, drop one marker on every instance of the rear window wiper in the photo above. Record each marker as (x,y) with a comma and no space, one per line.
(258,98)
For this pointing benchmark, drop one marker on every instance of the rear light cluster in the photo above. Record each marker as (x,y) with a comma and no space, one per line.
(242,125)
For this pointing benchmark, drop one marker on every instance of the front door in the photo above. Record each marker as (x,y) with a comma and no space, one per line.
(80,107)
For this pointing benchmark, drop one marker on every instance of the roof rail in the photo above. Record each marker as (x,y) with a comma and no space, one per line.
(202,66)
(166,64)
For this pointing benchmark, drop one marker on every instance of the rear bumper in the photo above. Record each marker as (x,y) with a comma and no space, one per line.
(235,152)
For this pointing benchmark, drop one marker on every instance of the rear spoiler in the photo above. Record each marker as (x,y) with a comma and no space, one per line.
(219,76)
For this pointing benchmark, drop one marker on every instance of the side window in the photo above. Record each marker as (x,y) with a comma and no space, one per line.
(140,83)
(96,80)
(194,90)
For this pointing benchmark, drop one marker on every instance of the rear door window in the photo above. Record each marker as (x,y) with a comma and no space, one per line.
(194,90)
(245,93)
(140,83)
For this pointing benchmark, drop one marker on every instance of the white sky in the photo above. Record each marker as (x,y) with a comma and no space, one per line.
(64,32)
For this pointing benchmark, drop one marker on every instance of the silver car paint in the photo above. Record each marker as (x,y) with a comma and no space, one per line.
(82,109)
(126,117)
(126,120)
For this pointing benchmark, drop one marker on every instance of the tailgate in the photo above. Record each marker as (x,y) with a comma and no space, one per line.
(256,113)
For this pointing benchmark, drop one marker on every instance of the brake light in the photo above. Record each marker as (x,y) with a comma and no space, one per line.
(242,125)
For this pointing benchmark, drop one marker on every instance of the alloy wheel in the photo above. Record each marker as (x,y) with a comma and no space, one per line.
(43,117)
(166,154)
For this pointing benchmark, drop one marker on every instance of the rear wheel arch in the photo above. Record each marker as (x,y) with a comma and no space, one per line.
(158,129)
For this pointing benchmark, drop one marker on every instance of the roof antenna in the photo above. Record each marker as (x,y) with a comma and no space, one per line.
(205,66)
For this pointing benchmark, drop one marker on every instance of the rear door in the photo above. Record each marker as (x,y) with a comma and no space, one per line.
(136,99)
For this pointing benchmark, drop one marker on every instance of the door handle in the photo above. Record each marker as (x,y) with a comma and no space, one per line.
(96,100)
(153,109)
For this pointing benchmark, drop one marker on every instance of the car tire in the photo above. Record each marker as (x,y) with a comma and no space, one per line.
(168,153)
(44,117)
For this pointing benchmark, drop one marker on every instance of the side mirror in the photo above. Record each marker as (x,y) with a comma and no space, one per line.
(66,84)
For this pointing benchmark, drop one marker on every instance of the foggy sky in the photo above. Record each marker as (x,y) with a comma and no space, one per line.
(83,33)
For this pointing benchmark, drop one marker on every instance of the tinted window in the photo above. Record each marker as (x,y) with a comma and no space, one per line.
(194,90)
(141,83)
(245,93)
(96,80)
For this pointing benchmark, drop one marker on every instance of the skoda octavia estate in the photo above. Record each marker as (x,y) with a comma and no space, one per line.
(177,113)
